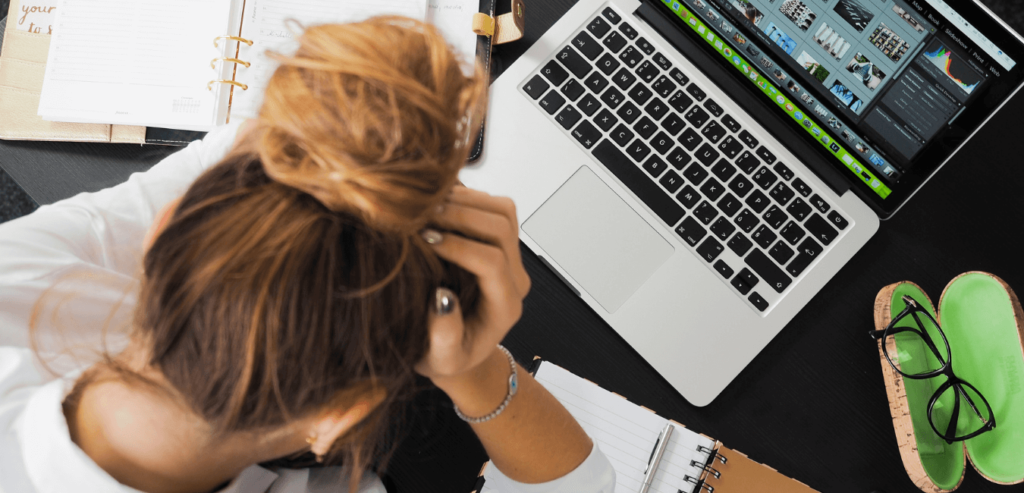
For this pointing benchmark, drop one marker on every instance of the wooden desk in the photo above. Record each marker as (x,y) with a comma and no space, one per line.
(812,404)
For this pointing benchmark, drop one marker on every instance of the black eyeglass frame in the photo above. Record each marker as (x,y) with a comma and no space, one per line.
(912,309)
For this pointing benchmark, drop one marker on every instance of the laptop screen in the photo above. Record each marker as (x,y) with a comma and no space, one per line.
(887,89)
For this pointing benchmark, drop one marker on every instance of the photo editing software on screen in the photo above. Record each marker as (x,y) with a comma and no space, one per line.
(873,81)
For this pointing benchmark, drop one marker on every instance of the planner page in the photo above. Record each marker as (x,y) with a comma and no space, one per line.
(626,433)
(264,22)
(135,62)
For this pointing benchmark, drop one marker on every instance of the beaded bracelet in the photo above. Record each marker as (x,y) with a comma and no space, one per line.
(513,387)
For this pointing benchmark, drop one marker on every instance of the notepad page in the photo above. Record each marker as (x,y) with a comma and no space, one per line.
(626,433)
(134,62)
(264,23)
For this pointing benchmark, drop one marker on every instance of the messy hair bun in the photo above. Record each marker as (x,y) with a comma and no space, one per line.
(372,118)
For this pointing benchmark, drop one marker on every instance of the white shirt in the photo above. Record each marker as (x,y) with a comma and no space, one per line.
(85,254)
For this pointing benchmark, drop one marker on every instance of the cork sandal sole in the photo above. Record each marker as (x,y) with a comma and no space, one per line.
(942,460)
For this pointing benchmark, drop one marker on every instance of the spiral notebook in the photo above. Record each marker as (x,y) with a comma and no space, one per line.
(629,435)
(195,64)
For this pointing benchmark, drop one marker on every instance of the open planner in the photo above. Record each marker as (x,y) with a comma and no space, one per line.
(630,435)
(194,64)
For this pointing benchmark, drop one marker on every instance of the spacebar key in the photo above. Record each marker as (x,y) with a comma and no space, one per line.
(638,182)
(765,268)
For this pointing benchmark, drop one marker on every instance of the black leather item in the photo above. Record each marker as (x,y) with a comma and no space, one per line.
(170,137)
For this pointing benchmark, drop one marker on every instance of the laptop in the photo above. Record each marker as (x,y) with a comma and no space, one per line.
(697,170)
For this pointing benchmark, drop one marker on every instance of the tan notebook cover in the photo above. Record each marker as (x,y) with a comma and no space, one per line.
(739,474)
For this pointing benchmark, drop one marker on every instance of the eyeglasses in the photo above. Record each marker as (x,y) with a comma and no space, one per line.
(944,408)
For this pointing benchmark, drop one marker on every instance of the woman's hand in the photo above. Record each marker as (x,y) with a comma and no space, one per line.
(486,245)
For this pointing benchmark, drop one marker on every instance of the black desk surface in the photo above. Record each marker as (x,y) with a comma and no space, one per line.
(812,404)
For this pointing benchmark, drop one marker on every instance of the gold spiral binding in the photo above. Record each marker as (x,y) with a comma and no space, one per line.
(213,63)
(209,85)
(231,38)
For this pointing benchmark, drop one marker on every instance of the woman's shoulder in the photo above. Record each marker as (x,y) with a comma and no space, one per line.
(257,479)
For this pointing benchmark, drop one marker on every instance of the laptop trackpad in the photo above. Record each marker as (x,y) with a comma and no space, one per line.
(600,241)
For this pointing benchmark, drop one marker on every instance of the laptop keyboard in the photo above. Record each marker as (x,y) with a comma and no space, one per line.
(752,219)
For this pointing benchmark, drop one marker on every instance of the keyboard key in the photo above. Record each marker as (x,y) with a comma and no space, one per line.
(801,187)
(605,120)
(663,86)
(775,217)
(837,220)
(781,253)
(757,201)
(710,250)
(723,228)
(611,15)
(628,31)
(655,167)
(748,139)
(568,117)
(680,101)
(662,143)
(645,128)
(554,72)
(697,117)
(768,271)
(574,62)
(623,79)
(696,92)
(648,71)
(690,139)
(645,46)
(621,135)
(673,124)
(731,123)
(820,229)
(656,108)
(614,42)
(782,194)
(730,205)
(764,237)
(608,64)
(713,108)
(723,170)
(671,181)
(678,158)
(706,154)
(586,134)
(746,279)
(799,209)
(586,44)
(551,102)
(640,93)
(631,56)
(589,105)
(638,182)
(599,27)
(742,287)
(723,269)
(741,186)
(712,189)
(740,244)
(758,302)
(807,252)
(820,204)
(765,155)
(679,76)
(573,90)
(688,196)
(747,162)
(536,87)
(783,171)
(695,173)
(613,98)
(705,212)
(628,112)
(731,147)
(691,231)
(595,82)
(764,178)
(714,132)
(662,61)
(638,150)
(792,233)
(747,221)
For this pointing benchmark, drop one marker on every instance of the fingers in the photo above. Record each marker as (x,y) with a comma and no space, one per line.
(447,334)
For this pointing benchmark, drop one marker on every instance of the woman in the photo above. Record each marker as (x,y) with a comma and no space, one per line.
(286,298)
